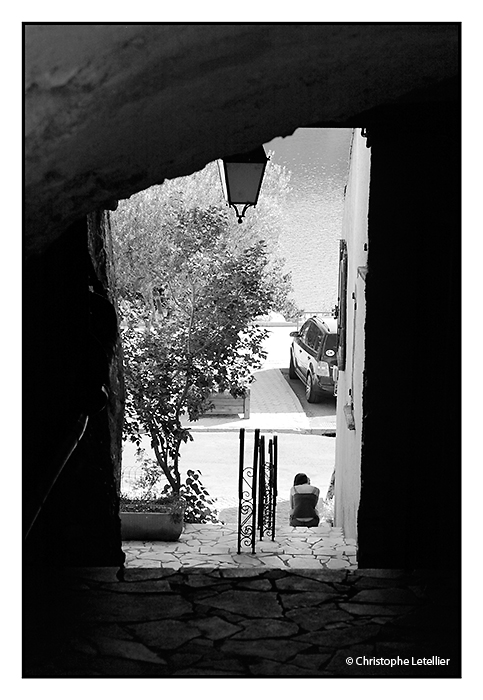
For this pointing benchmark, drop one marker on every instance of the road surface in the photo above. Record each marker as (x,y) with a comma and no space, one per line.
(216,455)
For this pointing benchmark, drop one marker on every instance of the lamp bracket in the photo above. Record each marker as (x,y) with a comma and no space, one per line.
(240,216)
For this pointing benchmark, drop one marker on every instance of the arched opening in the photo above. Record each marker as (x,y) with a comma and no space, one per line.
(299,222)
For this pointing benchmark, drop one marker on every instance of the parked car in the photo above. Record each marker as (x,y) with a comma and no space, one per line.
(313,357)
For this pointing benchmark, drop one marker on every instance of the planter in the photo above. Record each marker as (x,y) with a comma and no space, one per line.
(164,527)
(224,404)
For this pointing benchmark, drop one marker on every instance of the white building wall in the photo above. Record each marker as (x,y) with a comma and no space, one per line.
(350,381)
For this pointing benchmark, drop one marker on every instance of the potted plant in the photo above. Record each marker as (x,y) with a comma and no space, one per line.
(152,511)
(158,519)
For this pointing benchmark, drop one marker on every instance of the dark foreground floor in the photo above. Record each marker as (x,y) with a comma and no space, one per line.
(84,623)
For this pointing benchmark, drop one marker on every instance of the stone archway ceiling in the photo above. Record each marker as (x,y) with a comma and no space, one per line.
(113,109)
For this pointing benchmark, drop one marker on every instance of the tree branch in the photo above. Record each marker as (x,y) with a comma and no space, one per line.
(159,457)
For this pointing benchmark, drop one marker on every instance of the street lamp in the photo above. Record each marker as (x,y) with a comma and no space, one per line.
(241,179)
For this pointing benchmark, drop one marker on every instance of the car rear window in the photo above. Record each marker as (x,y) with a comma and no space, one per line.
(331,342)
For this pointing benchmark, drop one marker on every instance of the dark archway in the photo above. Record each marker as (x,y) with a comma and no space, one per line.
(112,109)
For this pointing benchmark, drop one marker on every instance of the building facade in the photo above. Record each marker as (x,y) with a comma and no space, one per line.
(351,310)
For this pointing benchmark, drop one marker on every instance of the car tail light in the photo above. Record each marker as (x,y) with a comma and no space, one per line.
(323,369)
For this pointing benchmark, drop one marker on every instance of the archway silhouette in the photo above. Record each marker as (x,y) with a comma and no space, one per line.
(112,109)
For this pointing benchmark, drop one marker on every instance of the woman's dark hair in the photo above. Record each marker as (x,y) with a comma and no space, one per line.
(300,479)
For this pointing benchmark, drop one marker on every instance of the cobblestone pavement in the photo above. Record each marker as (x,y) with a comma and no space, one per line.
(216,545)
(238,622)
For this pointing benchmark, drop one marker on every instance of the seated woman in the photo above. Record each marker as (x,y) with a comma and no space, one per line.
(303,501)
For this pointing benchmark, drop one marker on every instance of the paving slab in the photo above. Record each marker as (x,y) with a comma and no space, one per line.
(262,623)
(216,544)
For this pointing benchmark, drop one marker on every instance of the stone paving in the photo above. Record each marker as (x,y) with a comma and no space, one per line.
(298,607)
(216,545)
(241,623)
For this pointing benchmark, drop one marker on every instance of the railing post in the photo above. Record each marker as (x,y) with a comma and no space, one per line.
(271,506)
(274,483)
(261,489)
(241,462)
(254,486)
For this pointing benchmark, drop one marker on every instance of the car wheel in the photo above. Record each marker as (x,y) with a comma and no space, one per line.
(310,390)
(291,369)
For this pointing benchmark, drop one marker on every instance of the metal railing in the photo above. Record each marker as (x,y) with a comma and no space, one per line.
(257,491)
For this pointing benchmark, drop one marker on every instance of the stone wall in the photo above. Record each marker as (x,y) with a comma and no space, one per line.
(72,374)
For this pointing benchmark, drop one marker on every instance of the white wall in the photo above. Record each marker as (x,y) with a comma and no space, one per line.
(350,382)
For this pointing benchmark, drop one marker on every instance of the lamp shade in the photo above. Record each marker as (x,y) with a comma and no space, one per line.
(241,178)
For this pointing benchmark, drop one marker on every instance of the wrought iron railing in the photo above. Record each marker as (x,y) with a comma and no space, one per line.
(257,491)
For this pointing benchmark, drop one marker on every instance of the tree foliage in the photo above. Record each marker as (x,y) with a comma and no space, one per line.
(191,281)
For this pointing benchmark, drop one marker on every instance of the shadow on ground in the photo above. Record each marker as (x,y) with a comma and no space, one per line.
(326,407)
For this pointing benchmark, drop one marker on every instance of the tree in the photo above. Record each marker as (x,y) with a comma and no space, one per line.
(191,281)
(186,326)
(142,222)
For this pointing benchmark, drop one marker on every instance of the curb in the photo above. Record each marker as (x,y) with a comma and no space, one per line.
(328,432)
